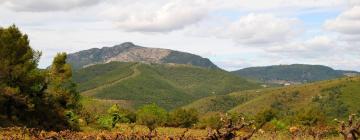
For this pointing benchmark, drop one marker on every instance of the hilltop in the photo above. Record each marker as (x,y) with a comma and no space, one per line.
(169,85)
(292,74)
(129,52)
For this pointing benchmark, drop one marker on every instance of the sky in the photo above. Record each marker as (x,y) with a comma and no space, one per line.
(234,34)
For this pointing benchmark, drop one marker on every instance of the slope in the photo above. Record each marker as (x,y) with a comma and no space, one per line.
(334,98)
(134,72)
(331,99)
(169,85)
(222,103)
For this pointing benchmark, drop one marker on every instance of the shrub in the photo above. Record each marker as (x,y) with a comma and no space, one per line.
(115,115)
(210,120)
(311,117)
(265,116)
(151,116)
(183,118)
(72,119)
(105,122)
(278,125)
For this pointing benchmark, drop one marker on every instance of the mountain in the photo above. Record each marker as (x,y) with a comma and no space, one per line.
(335,98)
(168,85)
(128,52)
(291,74)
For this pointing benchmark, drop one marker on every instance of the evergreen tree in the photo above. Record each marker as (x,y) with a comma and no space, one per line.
(62,90)
(22,85)
(61,86)
(30,96)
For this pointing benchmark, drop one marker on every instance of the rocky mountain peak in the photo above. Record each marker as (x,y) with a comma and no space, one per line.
(129,52)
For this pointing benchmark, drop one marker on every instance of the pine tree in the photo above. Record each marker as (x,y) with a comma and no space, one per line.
(62,90)
(21,83)
(61,86)
(30,96)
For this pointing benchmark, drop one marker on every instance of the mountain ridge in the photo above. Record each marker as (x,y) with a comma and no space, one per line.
(293,74)
(129,52)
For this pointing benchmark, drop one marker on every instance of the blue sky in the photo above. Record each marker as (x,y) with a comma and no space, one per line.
(234,34)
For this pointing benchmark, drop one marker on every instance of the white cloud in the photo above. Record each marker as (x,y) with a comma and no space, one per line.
(47,5)
(262,29)
(166,17)
(347,27)
(320,42)
(225,31)
(312,48)
(280,5)
(354,2)
(353,13)
(346,23)
(341,62)
(177,14)
(251,29)
(350,38)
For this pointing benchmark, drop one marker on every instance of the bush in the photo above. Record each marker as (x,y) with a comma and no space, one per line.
(151,116)
(115,115)
(278,125)
(311,117)
(210,120)
(183,118)
(105,122)
(73,120)
(88,116)
(265,116)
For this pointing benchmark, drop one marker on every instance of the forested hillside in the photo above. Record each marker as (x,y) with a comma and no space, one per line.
(332,99)
(293,74)
(168,85)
